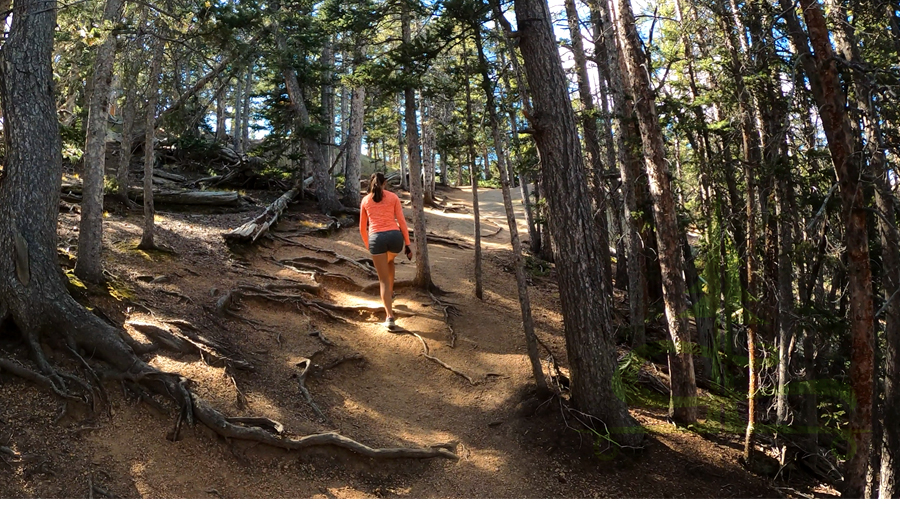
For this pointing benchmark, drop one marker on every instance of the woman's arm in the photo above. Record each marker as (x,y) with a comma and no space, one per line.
(364,225)
(401,220)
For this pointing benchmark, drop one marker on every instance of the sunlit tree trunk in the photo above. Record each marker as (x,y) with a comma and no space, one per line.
(683,402)
(89,265)
(585,308)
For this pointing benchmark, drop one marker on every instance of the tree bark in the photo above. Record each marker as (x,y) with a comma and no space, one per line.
(245,111)
(149,154)
(238,116)
(831,102)
(89,266)
(683,402)
(591,134)
(326,194)
(629,168)
(588,336)
(354,138)
(473,181)
(416,190)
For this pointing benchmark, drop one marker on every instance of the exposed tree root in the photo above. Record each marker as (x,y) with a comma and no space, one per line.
(216,422)
(426,351)
(265,423)
(322,338)
(444,240)
(304,366)
(449,311)
(317,370)
(494,233)
(370,271)
(316,273)
(191,342)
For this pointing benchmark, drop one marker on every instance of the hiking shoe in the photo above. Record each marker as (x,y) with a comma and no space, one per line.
(389,323)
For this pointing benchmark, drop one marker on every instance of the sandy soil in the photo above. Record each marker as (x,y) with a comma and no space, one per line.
(394,397)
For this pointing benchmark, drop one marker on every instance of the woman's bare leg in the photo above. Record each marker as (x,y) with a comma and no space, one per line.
(384,275)
(392,272)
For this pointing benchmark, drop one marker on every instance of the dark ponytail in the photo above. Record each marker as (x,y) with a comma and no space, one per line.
(376,187)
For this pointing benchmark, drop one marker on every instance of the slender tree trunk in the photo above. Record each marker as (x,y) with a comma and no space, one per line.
(326,193)
(354,139)
(534,234)
(683,403)
(889,466)
(836,124)
(521,280)
(591,139)
(129,115)
(473,178)
(428,151)
(588,336)
(327,100)
(221,108)
(150,131)
(423,267)
(89,266)
(245,111)
(629,168)
(238,116)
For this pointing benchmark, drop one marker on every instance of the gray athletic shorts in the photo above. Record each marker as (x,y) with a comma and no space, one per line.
(382,242)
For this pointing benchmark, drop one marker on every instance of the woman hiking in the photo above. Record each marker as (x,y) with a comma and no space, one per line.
(383,230)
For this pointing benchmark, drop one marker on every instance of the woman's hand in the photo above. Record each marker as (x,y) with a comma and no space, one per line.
(408,252)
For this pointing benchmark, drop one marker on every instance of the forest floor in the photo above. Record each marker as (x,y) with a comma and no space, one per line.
(508,446)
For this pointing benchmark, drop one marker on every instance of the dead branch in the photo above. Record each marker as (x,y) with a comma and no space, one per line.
(251,230)
(319,369)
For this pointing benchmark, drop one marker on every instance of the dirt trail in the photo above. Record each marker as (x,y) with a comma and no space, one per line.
(395,397)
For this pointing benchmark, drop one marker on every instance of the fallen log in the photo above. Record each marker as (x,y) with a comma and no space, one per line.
(71,191)
(250,231)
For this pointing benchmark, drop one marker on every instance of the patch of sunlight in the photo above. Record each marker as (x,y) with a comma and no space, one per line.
(74,280)
(488,460)
(137,474)
(120,291)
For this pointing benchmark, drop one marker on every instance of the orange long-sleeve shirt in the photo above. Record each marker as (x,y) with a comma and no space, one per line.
(381,216)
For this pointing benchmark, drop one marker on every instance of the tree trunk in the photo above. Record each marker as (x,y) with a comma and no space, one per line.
(423,268)
(591,140)
(683,402)
(89,266)
(221,108)
(831,102)
(629,169)
(327,100)
(238,117)
(588,336)
(129,115)
(427,151)
(245,111)
(326,193)
(473,178)
(150,132)
(354,143)
(521,279)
